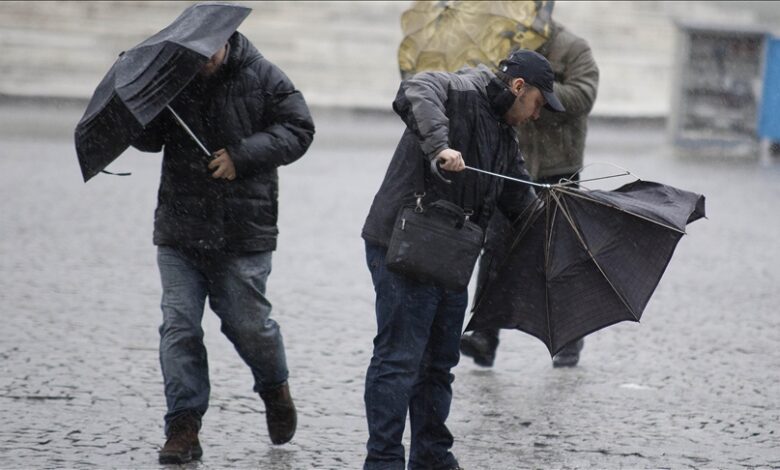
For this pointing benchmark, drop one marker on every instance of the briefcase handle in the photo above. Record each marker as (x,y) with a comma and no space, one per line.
(459,216)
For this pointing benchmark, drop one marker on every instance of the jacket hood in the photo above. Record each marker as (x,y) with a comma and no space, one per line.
(496,91)
(242,53)
(500,97)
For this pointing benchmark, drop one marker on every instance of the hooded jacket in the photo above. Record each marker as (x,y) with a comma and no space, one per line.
(463,111)
(250,108)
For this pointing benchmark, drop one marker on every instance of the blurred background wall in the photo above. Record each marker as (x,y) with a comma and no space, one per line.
(344,54)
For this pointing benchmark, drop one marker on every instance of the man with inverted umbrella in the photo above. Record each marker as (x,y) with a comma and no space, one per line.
(215,222)
(461,120)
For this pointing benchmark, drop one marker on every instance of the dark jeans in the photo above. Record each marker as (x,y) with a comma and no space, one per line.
(418,334)
(235,286)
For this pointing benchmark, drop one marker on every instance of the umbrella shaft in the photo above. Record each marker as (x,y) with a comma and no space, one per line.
(508,177)
(539,184)
(187,129)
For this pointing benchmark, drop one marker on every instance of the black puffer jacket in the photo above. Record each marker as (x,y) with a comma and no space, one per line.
(250,108)
(463,111)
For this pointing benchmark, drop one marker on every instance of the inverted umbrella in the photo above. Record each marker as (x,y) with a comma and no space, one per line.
(146,78)
(447,35)
(585,259)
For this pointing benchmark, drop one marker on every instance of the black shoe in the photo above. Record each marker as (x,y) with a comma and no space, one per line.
(182,444)
(481,346)
(280,414)
(569,356)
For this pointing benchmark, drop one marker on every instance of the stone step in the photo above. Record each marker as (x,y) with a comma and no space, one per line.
(343,53)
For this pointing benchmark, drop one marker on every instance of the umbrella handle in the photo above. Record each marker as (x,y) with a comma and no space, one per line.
(435,171)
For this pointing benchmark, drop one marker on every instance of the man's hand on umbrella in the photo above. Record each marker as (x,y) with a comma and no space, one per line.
(451,160)
(222,165)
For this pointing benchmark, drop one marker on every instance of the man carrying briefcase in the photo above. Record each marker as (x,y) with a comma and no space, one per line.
(455,120)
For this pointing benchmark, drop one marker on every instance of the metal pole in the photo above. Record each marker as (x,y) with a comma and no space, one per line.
(509,178)
(549,185)
(187,129)
(435,169)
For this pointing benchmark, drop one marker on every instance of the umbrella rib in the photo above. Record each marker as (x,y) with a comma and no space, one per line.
(162,79)
(548,241)
(527,221)
(611,206)
(567,215)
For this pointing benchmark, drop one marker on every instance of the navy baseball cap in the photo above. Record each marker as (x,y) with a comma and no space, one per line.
(536,71)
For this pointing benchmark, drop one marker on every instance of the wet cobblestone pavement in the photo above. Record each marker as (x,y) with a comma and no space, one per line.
(695,385)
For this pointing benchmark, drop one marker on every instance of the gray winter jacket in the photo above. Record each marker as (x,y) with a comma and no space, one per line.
(463,111)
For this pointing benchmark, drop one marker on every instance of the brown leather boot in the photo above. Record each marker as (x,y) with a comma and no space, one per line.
(182,444)
(280,414)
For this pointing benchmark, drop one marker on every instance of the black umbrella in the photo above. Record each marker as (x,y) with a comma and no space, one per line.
(585,259)
(146,78)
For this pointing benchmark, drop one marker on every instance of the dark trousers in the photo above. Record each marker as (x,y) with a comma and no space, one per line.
(416,345)
(234,283)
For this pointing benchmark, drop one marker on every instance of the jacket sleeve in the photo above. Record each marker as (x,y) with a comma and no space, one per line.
(285,139)
(421,103)
(576,88)
(516,197)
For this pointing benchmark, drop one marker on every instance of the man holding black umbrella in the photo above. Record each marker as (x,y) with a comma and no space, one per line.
(215,229)
(461,120)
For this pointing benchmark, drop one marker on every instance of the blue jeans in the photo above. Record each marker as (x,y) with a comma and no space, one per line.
(235,286)
(417,343)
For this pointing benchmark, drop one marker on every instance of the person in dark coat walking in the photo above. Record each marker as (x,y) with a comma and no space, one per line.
(463,118)
(215,229)
(553,147)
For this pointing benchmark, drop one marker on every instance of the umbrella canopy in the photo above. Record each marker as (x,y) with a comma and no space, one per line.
(146,78)
(584,260)
(447,35)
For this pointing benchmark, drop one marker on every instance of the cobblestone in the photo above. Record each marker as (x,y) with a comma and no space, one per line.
(695,385)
